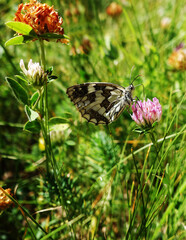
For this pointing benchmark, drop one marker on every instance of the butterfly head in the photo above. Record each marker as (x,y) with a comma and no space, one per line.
(131,87)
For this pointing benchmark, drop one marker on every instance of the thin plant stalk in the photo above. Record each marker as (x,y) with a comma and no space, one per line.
(46,133)
(141,191)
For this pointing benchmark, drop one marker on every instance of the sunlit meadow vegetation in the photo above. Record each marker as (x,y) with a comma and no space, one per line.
(64,178)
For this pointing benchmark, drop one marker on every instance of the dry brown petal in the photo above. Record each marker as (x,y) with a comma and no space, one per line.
(5,202)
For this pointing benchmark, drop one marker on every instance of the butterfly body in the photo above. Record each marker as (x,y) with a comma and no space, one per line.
(100,103)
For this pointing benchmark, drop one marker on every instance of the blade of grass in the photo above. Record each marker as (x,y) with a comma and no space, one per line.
(23,209)
(170,207)
(68,224)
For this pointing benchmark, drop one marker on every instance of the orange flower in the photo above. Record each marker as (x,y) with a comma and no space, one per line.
(114,9)
(41,17)
(5,202)
(178,59)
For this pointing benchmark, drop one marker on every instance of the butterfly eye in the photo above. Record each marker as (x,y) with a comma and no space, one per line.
(132,87)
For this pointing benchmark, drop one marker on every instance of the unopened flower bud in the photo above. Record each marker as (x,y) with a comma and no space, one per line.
(35,73)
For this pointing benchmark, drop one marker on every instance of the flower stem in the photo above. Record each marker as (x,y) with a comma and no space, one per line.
(45,128)
(44,109)
(154,141)
(42,54)
(140,193)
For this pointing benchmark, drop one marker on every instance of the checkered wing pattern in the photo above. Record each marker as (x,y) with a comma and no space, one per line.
(100,103)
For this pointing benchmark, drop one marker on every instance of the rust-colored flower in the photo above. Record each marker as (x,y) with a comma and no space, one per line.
(114,10)
(5,202)
(41,17)
(178,58)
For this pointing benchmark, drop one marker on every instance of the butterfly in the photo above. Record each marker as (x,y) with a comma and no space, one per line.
(100,102)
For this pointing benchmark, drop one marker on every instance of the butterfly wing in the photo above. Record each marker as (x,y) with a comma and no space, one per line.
(99,103)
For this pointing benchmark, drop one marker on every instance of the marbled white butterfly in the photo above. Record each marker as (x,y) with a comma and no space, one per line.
(100,103)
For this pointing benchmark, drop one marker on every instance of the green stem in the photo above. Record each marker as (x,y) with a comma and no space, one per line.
(154,141)
(44,124)
(45,103)
(45,129)
(43,62)
(140,190)
(43,108)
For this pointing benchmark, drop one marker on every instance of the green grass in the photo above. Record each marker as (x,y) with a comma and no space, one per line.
(100,182)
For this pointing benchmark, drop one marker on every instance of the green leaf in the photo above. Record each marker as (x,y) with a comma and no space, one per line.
(18,40)
(112,52)
(51,78)
(59,127)
(70,143)
(49,71)
(58,123)
(53,36)
(65,36)
(32,115)
(21,28)
(33,126)
(68,115)
(21,78)
(18,90)
(34,98)
(154,124)
(57,120)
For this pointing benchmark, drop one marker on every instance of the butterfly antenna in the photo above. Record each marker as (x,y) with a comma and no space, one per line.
(143,88)
(131,72)
(136,78)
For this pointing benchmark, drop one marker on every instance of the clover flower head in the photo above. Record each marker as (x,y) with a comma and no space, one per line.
(35,73)
(178,58)
(147,112)
(114,9)
(41,17)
